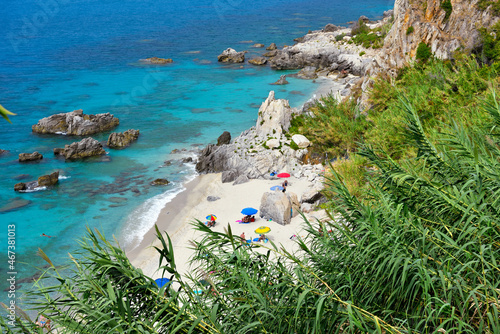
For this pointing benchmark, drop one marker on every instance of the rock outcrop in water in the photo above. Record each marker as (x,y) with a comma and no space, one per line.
(43,181)
(24,157)
(258,61)
(122,139)
(76,123)
(231,56)
(85,148)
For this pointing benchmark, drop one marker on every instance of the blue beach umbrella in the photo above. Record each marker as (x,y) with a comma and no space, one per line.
(277,188)
(249,211)
(161,281)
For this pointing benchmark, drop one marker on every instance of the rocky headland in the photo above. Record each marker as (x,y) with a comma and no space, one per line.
(76,123)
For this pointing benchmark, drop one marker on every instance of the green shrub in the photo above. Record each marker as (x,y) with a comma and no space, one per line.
(362,53)
(447,7)
(495,5)
(424,52)
(294,146)
(409,30)
(339,37)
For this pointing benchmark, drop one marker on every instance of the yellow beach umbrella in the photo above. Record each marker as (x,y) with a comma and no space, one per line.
(262,230)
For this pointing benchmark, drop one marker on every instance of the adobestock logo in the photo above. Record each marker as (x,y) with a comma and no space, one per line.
(31,24)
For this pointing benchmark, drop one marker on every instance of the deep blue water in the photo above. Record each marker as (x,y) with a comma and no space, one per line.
(61,55)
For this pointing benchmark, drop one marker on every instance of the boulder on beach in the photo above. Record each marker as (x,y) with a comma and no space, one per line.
(157,61)
(87,147)
(231,56)
(276,206)
(274,117)
(76,123)
(281,81)
(122,139)
(272,47)
(258,61)
(23,157)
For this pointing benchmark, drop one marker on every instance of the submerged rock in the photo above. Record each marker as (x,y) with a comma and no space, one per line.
(122,139)
(258,45)
(271,53)
(87,147)
(76,123)
(231,56)
(157,61)
(30,156)
(160,182)
(14,204)
(2,152)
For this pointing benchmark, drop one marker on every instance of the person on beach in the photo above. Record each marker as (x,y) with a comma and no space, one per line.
(243,238)
(262,237)
(284,185)
(212,222)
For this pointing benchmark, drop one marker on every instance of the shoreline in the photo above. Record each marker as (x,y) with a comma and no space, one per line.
(190,204)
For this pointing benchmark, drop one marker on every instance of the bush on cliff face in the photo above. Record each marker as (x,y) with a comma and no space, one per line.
(447,7)
(424,52)
(495,5)
(491,44)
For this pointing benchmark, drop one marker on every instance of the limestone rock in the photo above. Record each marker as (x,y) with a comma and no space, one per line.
(274,117)
(294,201)
(157,61)
(281,81)
(430,25)
(271,53)
(229,176)
(308,72)
(20,186)
(330,28)
(258,45)
(301,141)
(231,56)
(271,47)
(30,156)
(212,198)
(48,180)
(58,151)
(87,147)
(258,61)
(160,182)
(276,206)
(76,123)
(273,143)
(122,139)
(241,179)
(224,138)
(312,195)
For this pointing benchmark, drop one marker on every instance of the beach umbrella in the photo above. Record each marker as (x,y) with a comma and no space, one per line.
(161,281)
(262,230)
(209,217)
(249,211)
(277,188)
(283,175)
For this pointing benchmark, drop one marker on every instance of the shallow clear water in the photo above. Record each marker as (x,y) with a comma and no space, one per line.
(60,55)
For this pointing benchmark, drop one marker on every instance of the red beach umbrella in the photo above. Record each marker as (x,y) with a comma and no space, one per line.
(283,175)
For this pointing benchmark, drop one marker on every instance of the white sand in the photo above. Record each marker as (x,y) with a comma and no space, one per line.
(192,204)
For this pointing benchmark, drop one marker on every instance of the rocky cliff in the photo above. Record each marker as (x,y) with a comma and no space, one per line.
(444,26)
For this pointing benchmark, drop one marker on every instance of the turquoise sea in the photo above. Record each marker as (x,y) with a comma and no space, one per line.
(61,55)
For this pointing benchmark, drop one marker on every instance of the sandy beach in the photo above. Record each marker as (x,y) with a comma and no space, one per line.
(177,216)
